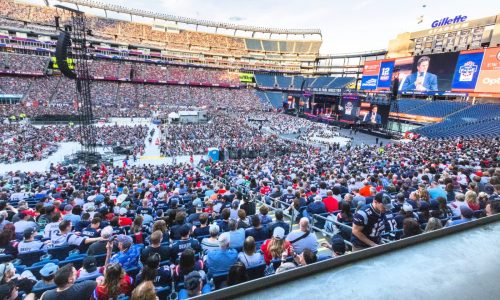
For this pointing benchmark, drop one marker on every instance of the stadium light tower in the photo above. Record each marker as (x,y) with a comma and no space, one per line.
(76,34)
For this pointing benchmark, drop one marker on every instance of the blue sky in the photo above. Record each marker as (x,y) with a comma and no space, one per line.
(347,26)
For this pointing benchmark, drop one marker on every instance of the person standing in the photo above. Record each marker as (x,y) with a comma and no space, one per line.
(368,224)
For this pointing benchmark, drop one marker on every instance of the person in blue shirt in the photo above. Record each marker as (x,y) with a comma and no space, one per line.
(467,215)
(436,191)
(193,286)
(73,214)
(221,260)
(317,207)
(128,256)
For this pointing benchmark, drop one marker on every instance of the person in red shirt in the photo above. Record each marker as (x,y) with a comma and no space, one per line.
(276,246)
(365,190)
(115,283)
(265,189)
(331,203)
(123,219)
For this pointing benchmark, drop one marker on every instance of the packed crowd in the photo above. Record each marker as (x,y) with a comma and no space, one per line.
(24,142)
(228,132)
(200,230)
(20,63)
(128,32)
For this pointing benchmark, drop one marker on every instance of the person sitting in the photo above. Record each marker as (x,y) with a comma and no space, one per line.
(303,239)
(156,247)
(47,274)
(242,219)
(115,283)
(211,243)
(237,274)
(89,269)
(237,235)
(411,227)
(29,243)
(305,258)
(257,231)
(264,218)
(467,215)
(160,276)
(128,255)
(67,288)
(187,263)
(248,256)
(274,247)
(193,286)
(279,223)
(99,247)
(220,260)
(337,246)
(66,237)
(203,229)
(185,242)
(317,207)
(144,291)
(331,203)
(23,281)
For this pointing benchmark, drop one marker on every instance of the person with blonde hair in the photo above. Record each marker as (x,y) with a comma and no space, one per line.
(471,200)
(277,245)
(144,291)
(433,224)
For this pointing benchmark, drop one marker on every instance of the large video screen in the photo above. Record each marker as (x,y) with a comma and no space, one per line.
(349,106)
(373,114)
(430,73)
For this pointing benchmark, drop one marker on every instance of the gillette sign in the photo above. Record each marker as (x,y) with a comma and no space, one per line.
(448,21)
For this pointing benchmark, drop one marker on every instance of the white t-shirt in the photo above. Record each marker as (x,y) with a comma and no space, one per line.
(67,239)
(50,230)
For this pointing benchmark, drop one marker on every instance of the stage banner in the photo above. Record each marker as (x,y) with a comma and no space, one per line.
(467,71)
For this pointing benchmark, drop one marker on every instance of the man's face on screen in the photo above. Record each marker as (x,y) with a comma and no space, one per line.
(423,66)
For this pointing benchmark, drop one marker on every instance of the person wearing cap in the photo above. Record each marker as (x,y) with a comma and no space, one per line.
(24,223)
(368,224)
(303,238)
(128,254)
(405,213)
(317,207)
(220,260)
(337,246)
(47,274)
(67,287)
(29,243)
(185,242)
(274,247)
(193,286)
(99,247)
(89,269)
(466,215)
(66,237)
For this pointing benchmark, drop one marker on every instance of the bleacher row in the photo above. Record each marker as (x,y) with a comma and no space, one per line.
(275,98)
(428,108)
(301,82)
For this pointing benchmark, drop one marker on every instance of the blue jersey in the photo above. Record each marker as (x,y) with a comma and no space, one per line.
(373,225)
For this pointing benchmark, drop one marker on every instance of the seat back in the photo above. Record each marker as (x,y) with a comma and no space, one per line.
(29,258)
(256,271)
(60,253)
(163,292)
(219,279)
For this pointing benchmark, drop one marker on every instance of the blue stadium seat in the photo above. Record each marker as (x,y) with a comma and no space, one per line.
(219,279)
(29,258)
(6,258)
(163,292)
(256,271)
(60,253)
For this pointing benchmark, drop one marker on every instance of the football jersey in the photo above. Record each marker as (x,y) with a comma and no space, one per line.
(24,247)
(373,225)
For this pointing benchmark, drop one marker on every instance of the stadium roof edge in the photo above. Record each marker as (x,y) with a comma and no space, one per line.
(184,20)
(353,54)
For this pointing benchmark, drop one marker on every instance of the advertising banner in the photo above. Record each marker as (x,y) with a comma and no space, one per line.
(489,77)
(385,75)
(467,71)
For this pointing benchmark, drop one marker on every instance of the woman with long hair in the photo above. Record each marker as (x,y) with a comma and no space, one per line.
(433,224)
(345,214)
(471,200)
(115,283)
(161,225)
(187,264)
(160,276)
(137,225)
(237,274)
(277,245)
(144,291)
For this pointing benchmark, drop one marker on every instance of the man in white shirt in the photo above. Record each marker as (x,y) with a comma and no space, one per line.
(66,237)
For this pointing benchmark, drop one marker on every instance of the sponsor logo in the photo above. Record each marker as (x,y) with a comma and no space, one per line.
(448,21)
(370,82)
(491,81)
(467,71)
